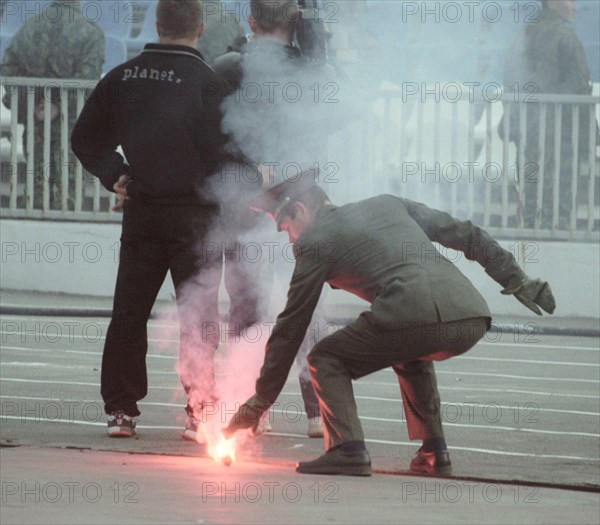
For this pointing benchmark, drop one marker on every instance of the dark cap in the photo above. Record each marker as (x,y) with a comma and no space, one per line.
(278,196)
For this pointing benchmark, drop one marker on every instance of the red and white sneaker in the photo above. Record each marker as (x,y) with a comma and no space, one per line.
(194,430)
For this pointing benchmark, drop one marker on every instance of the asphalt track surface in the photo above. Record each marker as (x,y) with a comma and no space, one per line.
(521,413)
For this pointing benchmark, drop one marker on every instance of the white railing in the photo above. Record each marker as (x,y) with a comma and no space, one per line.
(438,144)
(442,146)
(36,153)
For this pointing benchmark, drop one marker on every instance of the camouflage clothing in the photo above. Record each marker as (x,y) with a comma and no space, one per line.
(221,31)
(549,55)
(57,43)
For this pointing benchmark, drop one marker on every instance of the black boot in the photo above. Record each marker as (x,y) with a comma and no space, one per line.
(338,461)
(432,463)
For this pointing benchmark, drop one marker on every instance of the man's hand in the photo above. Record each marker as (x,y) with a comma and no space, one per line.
(533,293)
(268,174)
(248,416)
(120,188)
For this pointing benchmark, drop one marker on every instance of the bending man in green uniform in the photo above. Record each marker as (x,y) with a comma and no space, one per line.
(423,309)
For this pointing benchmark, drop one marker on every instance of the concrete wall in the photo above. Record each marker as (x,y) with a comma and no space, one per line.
(81,259)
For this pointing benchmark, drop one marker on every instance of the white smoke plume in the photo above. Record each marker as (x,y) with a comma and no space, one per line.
(281,117)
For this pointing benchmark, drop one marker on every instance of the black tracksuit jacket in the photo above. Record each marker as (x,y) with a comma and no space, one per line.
(162,108)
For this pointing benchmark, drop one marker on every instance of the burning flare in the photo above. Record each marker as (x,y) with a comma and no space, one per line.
(222,450)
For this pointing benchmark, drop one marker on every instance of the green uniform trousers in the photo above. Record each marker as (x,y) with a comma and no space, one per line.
(360,349)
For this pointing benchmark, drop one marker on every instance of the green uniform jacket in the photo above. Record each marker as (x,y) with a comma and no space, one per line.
(59,44)
(547,57)
(381,250)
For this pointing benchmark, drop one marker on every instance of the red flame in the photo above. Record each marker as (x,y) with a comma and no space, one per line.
(222,450)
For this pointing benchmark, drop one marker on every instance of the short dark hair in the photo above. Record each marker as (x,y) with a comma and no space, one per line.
(313,199)
(179,18)
(274,14)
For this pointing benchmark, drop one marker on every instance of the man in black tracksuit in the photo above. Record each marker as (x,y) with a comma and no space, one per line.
(162,108)
(548,55)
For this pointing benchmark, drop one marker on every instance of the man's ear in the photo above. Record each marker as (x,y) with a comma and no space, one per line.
(158,29)
(301,209)
(201,30)
(252,23)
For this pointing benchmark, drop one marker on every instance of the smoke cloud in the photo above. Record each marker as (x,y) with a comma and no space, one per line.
(334,120)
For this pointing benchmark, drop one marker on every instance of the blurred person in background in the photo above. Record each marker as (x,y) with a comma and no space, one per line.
(547,57)
(222,30)
(59,43)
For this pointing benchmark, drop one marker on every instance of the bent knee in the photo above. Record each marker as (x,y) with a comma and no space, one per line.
(440,356)
(320,356)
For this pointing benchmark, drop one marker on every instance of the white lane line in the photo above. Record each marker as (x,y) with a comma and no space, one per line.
(291,381)
(531,346)
(498,390)
(29,398)
(155,323)
(525,454)
(537,362)
(25,364)
(364,382)
(81,352)
(69,402)
(536,346)
(596,397)
(462,358)
(72,383)
(488,451)
(491,427)
(528,430)
(468,389)
(74,402)
(283,412)
(513,391)
(529,407)
(56,337)
(466,425)
(91,423)
(52,420)
(368,398)
(389,420)
(38,418)
(511,376)
(378,441)
(494,406)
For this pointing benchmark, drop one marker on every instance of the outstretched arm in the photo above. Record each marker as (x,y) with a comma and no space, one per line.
(478,245)
(305,289)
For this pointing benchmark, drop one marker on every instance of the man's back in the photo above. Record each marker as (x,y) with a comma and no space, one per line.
(162,107)
(283,57)
(381,250)
(284,108)
(221,30)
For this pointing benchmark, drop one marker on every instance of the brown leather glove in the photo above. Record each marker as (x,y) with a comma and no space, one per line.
(247,416)
(534,294)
